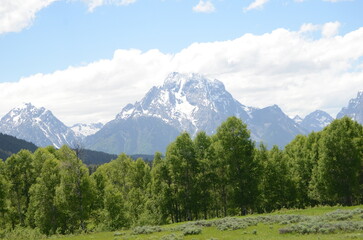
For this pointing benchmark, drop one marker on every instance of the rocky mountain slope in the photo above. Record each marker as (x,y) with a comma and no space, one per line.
(36,125)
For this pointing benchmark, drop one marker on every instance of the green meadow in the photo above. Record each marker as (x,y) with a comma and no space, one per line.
(313,223)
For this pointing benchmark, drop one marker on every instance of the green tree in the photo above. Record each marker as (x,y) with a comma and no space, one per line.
(204,156)
(20,173)
(161,204)
(183,168)
(114,202)
(4,188)
(277,185)
(42,211)
(303,154)
(140,178)
(336,177)
(236,151)
(75,193)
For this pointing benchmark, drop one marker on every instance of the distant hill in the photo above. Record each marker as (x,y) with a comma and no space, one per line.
(10,145)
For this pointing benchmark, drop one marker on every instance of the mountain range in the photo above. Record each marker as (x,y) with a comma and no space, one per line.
(185,102)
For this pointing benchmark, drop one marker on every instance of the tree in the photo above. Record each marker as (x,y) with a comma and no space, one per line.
(140,179)
(161,204)
(204,157)
(20,173)
(4,188)
(183,167)
(277,186)
(75,193)
(43,212)
(236,151)
(336,177)
(302,154)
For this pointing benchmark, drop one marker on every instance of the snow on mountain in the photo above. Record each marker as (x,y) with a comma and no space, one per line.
(188,102)
(316,121)
(297,119)
(272,126)
(36,125)
(354,110)
(83,130)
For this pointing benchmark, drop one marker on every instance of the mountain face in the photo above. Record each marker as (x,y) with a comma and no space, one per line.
(316,121)
(139,135)
(10,145)
(186,102)
(354,110)
(272,126)
(297,119)
(36,125)
(83,130)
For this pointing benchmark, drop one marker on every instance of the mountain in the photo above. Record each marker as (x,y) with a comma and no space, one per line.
(316,121)
(272,126)
(297,119)
(83,130)
(186,102)
(37,125)
(354,110)
(10,145)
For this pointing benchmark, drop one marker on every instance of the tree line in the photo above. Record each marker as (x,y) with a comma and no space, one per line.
(205,177)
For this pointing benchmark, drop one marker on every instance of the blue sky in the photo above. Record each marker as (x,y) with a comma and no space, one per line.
(66,33)
(48,38)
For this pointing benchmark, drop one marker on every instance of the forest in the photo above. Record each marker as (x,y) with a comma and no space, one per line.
(225,174)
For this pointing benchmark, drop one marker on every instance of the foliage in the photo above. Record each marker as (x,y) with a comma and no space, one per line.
(222,175)
(193,230)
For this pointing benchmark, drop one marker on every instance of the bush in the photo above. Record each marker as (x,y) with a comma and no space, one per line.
(323,227)
(21,233)
(339,215)
(230,223)
(192,230)
(146,230)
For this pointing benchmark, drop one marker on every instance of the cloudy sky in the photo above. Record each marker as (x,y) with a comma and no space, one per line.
(86,59)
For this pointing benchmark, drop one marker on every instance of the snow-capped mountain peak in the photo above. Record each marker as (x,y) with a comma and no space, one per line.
(297,119)
(37,125)
(354,110)
(83,130)
(187,102)
(316,121)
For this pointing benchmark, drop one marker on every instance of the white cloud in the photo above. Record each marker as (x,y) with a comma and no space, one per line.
(256,4)
(309,27)
(330,29)
(92,4)
(282,67)
(204,6)
(15,15)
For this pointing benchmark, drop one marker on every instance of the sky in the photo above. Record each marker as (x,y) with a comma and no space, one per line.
(86,59)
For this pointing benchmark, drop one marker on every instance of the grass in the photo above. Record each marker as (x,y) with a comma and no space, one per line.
(252,227)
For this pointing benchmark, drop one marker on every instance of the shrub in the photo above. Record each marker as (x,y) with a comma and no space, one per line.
(323,227)
(192,230)
(230,223)
(21,233)
(146,230)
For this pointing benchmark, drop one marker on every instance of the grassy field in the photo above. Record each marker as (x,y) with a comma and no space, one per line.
(314,223)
